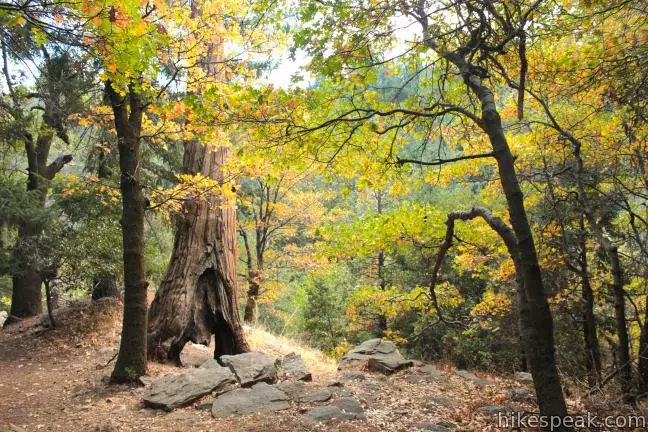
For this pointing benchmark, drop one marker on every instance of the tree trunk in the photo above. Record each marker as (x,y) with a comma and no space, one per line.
(250,304)
(537,322)
(131,361)
(643,354)
(592,350)
(624,362)
(623,347)
(381,321)
(253,276)
(536,319)
(26,297)
(198,296)
(104,285)
(50,306)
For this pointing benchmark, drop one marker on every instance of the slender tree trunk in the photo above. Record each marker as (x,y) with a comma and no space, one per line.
(623,347)
(536,319)
(381,321)
(253,279)
(198,296)
(50,306)
(643,353)
(537,322)
(624,361)
(131,361)
(252,296)
(592,350)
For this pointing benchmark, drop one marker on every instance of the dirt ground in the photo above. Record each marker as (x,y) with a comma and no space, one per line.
(53,380)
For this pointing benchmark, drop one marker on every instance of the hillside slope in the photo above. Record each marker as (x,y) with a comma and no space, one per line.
(53,380)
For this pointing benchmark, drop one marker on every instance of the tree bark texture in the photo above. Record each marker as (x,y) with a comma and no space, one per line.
(536,318)
(643,353)
(131,361)
(250,304)
(592,349)
(198,296)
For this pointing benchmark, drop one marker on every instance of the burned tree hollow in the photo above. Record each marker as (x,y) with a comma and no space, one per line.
(198,296)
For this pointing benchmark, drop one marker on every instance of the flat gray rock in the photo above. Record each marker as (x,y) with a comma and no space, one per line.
(349,405)
(3,318)
(314,396)
(173,391)
(211,364)
(353,376)
(291,388)
(252,367)
(294,367)
(341,391)
(326,413)
(340,409)
(376,355)
(260,398)
(523,377)
(521,394)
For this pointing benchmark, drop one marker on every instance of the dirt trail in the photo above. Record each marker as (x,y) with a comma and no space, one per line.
(53,380)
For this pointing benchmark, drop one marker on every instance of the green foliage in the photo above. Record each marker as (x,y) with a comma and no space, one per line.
(322,320)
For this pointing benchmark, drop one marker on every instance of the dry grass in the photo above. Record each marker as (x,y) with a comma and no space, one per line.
(261,340)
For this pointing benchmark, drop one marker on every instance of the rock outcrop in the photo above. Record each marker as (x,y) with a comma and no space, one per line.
(260,398)
(252,367)
(294,367)
(173,391)
(375,355)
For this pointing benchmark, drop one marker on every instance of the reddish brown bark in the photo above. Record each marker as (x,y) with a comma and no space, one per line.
(198,296)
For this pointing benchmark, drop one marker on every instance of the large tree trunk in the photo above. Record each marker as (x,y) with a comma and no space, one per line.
(131,361)
(198,296)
